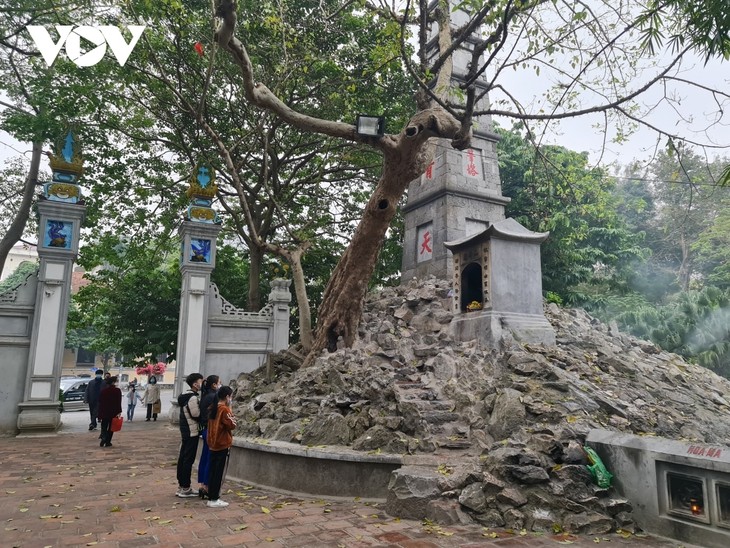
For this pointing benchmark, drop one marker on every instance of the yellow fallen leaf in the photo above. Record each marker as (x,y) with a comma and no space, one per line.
(444,533)
(115,509)
(23,510)
(10,492)
(165,522)
(265,510)
(240,527)
(327,510)
(269,539)
(91,543)
(11,528)
(141,532)
(523,532)
(55,505)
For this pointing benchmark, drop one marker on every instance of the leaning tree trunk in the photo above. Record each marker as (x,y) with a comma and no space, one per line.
(15,231)
(342,302)
(405,158)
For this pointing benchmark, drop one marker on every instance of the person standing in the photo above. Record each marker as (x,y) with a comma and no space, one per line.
(110,406)
(91,397)
(209,398)
(152,397)
(189,403)
(132,397)
(221,424)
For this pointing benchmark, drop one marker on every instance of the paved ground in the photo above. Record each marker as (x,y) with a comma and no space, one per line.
(65,490)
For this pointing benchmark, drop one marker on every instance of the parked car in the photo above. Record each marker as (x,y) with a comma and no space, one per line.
(72,393)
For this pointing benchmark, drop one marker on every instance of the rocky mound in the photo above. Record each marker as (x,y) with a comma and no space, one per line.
(508,422)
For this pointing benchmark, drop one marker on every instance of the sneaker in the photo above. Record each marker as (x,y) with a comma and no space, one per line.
(218,503)
(187,493)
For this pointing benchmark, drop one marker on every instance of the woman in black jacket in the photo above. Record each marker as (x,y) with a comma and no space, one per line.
(210,398)
(110,406)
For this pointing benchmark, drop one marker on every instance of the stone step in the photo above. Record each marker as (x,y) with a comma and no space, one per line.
(430,405)
(440,417)
(453,443)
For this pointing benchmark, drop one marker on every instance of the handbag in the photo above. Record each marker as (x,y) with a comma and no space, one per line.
(116,424)
(157,407)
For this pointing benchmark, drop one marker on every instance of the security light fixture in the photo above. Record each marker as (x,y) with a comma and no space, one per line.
(370,126)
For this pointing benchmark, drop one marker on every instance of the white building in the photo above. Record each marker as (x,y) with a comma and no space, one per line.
(20,252)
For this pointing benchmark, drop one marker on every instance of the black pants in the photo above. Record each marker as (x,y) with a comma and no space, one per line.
(106,432)
(216,467)
(150,414)
(185,460)
(93,410)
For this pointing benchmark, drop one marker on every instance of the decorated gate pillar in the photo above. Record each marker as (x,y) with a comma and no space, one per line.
(61,213)
(198,233)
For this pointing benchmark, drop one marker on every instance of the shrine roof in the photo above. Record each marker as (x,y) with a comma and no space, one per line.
(508,229)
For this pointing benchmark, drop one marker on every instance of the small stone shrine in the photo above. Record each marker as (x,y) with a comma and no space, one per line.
(497,285)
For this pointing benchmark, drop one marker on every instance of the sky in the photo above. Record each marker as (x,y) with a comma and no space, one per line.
(580,134)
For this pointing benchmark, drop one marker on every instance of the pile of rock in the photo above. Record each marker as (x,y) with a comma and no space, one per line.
(507,424)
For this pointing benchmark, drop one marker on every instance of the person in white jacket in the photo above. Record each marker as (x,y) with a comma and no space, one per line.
(152,398)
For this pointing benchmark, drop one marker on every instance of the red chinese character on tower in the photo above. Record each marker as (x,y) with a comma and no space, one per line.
(426,243)
(429,171)
(471,168)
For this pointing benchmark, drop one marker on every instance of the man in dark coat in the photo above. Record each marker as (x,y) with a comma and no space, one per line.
(110,406)
(91,397)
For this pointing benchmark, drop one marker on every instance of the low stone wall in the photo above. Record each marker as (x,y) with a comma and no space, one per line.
(326,472)
(679,490)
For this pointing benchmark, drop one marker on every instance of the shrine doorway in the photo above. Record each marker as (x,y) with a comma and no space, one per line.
(471,285)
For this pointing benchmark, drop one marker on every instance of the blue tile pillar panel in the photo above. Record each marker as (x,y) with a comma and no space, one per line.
(60,214)
(198,233)
(460,192)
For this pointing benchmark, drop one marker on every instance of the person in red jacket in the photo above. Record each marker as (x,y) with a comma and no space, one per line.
(110,406)
(221,424)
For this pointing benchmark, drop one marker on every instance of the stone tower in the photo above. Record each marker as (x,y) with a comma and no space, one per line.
(455,229)
(460,192)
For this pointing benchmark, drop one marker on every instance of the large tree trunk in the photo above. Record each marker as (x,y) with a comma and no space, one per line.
(15,231)
(256,259)
(343,299)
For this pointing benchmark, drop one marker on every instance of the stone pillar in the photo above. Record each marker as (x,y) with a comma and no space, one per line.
(198,233)
(198,261)
(60,216)
(279,298)
(459,194)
